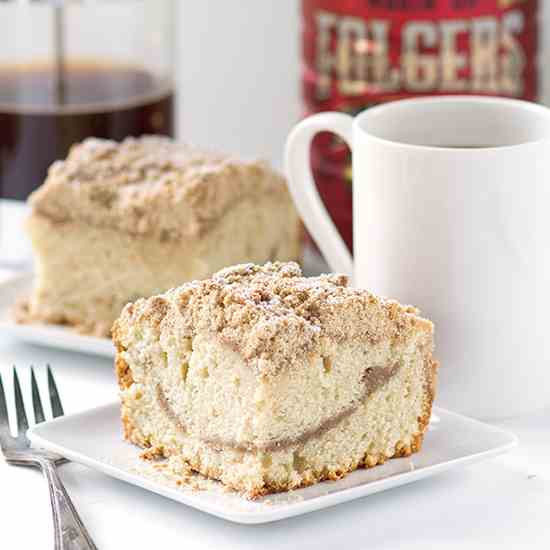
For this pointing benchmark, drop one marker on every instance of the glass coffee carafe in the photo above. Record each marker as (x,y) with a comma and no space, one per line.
(80,68)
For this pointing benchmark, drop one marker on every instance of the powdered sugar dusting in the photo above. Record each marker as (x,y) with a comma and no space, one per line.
(272,315)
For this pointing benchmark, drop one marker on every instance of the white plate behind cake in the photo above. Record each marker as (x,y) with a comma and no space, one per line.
(93,438)
(44,334)
(56,336)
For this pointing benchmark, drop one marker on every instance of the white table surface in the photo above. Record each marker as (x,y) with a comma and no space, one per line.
(502,503)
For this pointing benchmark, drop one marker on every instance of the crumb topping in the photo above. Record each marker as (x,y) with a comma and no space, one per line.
(150,185)
(272,315)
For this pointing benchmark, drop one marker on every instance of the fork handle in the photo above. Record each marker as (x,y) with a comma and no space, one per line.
(69,531)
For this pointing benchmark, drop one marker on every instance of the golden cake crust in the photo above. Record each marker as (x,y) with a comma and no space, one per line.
(150,186)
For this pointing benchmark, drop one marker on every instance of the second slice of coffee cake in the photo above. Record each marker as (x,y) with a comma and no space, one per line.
(269,381)
(117,221)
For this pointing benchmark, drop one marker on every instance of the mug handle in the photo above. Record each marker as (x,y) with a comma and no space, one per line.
(304,192)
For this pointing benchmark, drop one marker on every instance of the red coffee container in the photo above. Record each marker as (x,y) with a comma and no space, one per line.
(358,53)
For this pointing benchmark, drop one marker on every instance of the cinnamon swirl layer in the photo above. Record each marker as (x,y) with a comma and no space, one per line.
(373,379)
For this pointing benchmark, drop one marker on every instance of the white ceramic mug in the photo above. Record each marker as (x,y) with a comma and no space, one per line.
(451,213)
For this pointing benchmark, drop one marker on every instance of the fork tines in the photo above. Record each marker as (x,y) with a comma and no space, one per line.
(22,421)
(55,400)
(4,422)
(36,402)
(38,409)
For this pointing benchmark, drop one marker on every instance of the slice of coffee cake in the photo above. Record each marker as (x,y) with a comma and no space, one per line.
(268,381)
(117,221)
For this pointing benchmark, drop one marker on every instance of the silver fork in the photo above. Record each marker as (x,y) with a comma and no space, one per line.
(69,531)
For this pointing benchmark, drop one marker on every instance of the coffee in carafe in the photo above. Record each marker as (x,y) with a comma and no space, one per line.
(73,70)
(100,100)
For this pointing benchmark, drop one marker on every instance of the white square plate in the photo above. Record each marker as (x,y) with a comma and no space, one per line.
(93,438)
(55,336)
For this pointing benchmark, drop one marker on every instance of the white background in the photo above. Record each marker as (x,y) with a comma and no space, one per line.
(239,74)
